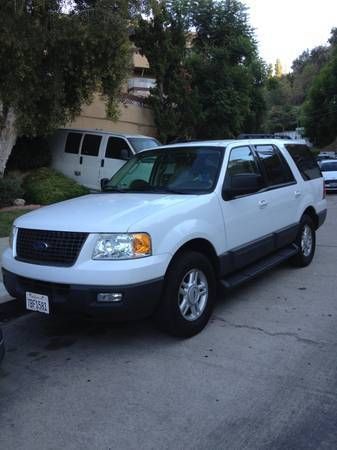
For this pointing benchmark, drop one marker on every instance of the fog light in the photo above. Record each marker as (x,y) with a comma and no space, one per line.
(109,297)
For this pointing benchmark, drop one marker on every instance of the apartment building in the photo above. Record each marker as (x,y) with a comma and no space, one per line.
(134,115)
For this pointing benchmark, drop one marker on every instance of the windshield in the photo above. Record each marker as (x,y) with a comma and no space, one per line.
(330,166)
(140,144)
(185,170)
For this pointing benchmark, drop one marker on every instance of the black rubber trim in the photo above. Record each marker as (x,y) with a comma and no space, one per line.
(322,217)
(139,300)
(247,254)
(2,346)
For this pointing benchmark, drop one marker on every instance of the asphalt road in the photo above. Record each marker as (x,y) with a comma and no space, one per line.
(262,375)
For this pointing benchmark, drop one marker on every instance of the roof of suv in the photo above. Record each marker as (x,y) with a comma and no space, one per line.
(226,142)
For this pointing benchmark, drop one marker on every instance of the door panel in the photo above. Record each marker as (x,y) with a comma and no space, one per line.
(66,158)
(246,217)
(113,158)
(89,161)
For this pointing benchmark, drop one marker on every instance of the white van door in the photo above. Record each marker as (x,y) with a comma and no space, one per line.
(117,152)
(65,152)
(89,161)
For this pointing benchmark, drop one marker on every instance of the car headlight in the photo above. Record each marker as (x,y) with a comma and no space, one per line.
(122,246)
(12,236)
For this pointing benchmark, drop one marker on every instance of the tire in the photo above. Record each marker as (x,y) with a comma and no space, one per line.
(306,242)
(189,295)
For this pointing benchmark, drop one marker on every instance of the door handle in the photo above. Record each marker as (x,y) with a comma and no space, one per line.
(263,203)
(297,194)
(102,162)
(77,173)
(81,159)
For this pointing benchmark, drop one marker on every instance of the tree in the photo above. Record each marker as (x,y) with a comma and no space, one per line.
(209,76)
(320,109)
(52,61)
(278,69)
(162,38)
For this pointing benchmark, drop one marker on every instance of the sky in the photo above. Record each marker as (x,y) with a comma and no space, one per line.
(285,28)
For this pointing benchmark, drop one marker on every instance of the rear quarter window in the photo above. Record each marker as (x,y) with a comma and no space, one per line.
(304,161)
(73,143)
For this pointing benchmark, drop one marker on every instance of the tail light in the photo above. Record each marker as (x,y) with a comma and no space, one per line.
(324,190)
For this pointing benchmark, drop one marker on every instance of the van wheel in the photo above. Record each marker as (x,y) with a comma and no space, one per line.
(306,242)
(189,295)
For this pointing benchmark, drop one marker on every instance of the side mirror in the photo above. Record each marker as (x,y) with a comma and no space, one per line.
(104,181)
(241,184)
(125,154)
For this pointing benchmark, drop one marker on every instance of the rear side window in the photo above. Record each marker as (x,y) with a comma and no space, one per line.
(114,148)
(275,166)
(73,143)
(91,143)
(304,161)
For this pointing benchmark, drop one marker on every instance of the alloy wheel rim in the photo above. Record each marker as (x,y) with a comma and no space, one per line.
(193,294)
(306,240)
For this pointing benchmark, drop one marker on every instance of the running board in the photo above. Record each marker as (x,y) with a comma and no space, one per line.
(259,267)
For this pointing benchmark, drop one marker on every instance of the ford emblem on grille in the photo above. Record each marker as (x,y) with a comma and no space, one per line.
(40,245)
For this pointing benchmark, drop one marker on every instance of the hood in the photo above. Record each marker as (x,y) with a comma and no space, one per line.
(330,175)
(98,213)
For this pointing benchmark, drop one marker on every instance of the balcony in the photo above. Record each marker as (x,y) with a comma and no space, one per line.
(141,86)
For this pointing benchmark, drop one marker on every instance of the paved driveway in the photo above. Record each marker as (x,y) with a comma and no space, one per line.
(262,375)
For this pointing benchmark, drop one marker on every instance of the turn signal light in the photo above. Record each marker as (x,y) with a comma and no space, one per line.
(142,244)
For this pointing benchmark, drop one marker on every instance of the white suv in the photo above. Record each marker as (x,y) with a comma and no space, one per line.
(166,228)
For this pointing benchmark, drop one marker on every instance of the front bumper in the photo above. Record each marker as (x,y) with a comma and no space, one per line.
(138,300)
(2,346)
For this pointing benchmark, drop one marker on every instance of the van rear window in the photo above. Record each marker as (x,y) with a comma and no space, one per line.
(91,143)
(304,161)
(73,143)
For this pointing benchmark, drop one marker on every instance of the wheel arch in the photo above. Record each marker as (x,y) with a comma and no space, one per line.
(203,246)
(310,211)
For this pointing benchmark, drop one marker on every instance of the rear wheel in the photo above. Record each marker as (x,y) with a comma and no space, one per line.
(306,242)
(189,295)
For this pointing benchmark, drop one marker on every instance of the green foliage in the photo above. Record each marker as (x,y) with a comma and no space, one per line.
(51,62)
(7,218)
(29,153)
(209,83)
(320,110)
(10,189)
(278,69)
(44,186)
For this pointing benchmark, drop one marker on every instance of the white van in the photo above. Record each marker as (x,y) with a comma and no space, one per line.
(87,156)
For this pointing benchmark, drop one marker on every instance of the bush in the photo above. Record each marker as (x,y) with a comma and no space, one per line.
(10,189)
(44,186)
(29,154)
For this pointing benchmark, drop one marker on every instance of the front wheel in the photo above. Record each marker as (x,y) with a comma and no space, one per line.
(306,242)
(189,295)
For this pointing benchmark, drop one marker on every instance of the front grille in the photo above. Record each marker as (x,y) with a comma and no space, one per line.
(54,248)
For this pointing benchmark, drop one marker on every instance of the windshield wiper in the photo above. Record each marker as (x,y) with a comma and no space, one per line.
(114,189)
(167,190)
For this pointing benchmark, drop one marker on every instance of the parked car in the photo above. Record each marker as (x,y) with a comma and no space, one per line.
(167,227)
(2,346)
(90,155)
(329,171)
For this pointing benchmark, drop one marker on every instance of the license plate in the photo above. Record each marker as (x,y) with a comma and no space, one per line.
(37,302)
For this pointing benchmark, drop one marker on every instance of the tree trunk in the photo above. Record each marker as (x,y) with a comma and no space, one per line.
(8,135)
